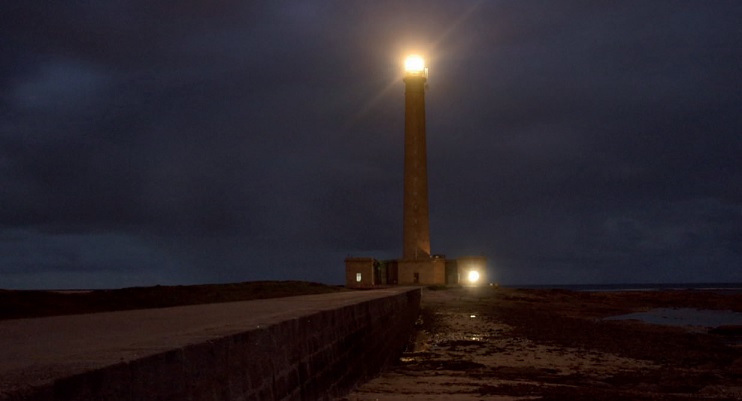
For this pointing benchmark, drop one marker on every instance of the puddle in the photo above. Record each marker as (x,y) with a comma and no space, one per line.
(416,356)
(701,318)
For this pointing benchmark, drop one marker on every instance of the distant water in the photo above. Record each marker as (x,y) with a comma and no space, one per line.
(684,317)
(729,288)
(696,319)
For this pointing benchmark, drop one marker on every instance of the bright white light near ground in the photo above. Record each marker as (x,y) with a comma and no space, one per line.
(414,64)
(473,276)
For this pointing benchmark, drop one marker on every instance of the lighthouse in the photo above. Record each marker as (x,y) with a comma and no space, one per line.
(416,223)
(417,266)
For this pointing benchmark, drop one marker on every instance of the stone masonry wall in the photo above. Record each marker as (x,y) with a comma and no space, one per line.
(430,271)
(315,357)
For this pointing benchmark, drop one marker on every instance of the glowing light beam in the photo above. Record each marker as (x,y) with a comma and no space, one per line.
(414,65)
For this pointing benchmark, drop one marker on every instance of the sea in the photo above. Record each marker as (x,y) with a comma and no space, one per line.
(692,319)
(728,288)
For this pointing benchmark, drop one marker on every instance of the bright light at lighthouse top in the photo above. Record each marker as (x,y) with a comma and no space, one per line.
(415,66)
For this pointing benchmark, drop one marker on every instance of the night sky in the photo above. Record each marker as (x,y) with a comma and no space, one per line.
(180,142)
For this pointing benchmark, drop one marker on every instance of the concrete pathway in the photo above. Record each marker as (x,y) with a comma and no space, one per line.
(37,351)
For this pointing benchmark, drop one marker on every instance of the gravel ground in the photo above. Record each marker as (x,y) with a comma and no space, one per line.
(505,344)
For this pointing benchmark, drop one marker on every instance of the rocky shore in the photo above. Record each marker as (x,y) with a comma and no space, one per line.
(507,344)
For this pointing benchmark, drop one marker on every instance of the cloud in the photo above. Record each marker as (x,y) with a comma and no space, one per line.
(568,142)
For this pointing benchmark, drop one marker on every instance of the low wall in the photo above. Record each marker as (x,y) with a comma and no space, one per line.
(318,356)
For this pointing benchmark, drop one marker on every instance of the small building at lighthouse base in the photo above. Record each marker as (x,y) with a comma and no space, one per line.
(367,272)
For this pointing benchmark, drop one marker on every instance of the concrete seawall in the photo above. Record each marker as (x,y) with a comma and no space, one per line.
(299,348)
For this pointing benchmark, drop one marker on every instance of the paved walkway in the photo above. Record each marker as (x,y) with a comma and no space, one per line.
(36,351)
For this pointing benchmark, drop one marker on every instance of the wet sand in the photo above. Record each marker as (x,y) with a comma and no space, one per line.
(505,344)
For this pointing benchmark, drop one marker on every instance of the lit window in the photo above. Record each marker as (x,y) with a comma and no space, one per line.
(358,277)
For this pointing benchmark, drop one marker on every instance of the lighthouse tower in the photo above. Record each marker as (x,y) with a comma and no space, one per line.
(416,226)
(417,265)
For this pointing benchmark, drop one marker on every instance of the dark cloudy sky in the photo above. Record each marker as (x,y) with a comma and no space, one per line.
(152,142)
